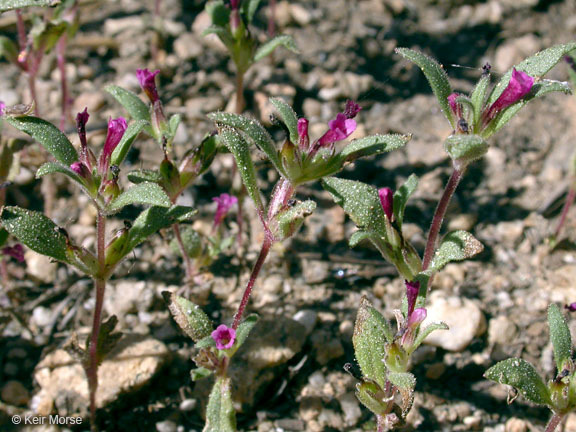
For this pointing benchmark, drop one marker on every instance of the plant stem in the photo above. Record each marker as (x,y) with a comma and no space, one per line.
(21,30)
(185,257)
(554,421)
(239,93)
(100,283)
(565,209)
(65,101)
(272,19)
(266,244)
(439,217)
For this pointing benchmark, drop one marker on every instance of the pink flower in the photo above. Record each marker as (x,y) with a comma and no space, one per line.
(455,106)
(225,203)
(304,139)
(234,4)
(340,128)
(387,200)
(412,289)
(412,325)
(519,86)
(16,252)
(116,129)
(2,106)
(148,83)
(224,337)
(571,307)
(81,169)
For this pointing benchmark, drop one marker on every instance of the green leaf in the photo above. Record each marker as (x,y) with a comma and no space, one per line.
(464,149)
(244,330)
(269,47)
(48,135)
(478,95)
(372,397)
(536,66)
(189,316)
(405,382)
(206,342)
(455,246)
(360,201)
(521,375)
(192,243)
(241,151)
(223,34)
(144,175)
(290,221)
(121,150)
(249,9)
(8,49)
(436,76)
(143,193)
(360,236)
(424,332)
(539,89)
(36,231)
(174,123)
(254,131)
(371,332)
(218,12)
(373,144)
(288,117)
(53,167)
(47,34)
(220,415)
(560,337)
(401,197)
(131,102)
(7,5)
(200,373)
(153,219)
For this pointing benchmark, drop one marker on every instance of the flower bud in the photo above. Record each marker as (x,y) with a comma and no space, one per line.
(148,83)
(116,129)
(387,200)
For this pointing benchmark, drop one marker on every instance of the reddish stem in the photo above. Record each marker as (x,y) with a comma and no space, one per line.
(272,19)
(21,30)
(65,101)
(565,209)
(439,217)
(185,257)
(239,93)
(100,283)
(255,271)
(553,423)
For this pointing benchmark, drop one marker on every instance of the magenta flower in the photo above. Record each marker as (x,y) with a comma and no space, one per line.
(519,86)
(340,128)
(571,307)
(234,4)
(304,140)
(412,325)
(2,106)
(81,120)
(225,203)
(16,252)
(224,337)
(116,129)
(412,289)
(387,200)
(455,106)
(148,83)
(81,169)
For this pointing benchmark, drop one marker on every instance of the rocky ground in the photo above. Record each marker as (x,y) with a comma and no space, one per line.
(290,376)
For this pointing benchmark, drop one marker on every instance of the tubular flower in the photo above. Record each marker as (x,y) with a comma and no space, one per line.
(148,83)
(387,200)
(116,129)
(304,139)
(16,252)
(519,86)
(224,337)
(225,203)
(412,289)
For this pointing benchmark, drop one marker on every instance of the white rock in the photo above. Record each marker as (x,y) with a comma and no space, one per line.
(463,316)
(306,317)
(501,330)
(40,267)
(350,408)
